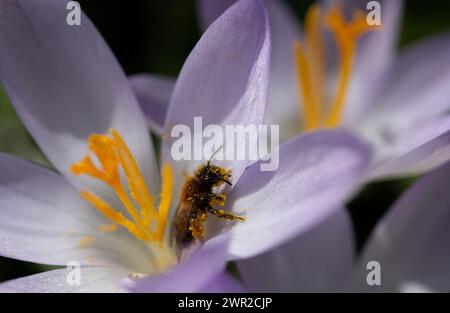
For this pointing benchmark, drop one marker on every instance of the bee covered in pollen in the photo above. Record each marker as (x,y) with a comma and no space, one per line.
(197,199)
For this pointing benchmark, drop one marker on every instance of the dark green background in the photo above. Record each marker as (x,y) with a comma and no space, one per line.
(157,36)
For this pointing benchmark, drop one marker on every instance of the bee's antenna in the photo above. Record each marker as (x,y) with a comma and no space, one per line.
(226,181)
(213,155)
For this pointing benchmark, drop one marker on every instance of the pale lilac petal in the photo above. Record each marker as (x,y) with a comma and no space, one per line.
(417,87)
(223,283)
(317,172)
(411,242)
(418,149)
(66,84)
(376,50)
(224,79)
(93,280)
(209,11)
(395,144)
(44,220)
(153,93)
(283,94)
(191,275)
(316,261)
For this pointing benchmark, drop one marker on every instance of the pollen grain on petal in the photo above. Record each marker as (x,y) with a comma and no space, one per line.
(86,241)
(110,228)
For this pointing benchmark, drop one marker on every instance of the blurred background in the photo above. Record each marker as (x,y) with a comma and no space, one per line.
(157,36)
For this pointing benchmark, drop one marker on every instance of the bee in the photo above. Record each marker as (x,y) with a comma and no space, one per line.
(197,200)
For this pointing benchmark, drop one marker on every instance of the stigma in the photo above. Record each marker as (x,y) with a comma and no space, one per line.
(142,218)
(311,64)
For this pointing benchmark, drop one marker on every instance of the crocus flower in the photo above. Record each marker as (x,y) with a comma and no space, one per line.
(69,91)
(100,210)
(410,244)
(342,72)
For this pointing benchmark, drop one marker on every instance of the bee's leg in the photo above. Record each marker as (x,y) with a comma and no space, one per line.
(228,216)
(217,199)
(196,225)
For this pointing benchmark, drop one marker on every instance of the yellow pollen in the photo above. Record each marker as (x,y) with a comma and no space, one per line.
(136,275)
(147,223)
(197,225)
(311,117)
(107,228)
(86,241)
(311,66)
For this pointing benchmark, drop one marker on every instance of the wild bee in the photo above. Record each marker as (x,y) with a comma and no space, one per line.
(197,199)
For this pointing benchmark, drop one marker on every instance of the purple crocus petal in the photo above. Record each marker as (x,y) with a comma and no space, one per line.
(418,149)
(224,79)
(411,242)
(316,261)
(66,84)
(317,171)
(93,279)
(374,56)
(283,96)
(153,93)
(191,275)
(223,283)
(417,86)
(404,140)
(44,221)
(209,11)
(42,215)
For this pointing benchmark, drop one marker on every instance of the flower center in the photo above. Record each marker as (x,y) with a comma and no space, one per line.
(311,65)
(145,222)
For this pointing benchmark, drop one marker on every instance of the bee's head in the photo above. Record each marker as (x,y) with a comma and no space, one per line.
(212,175)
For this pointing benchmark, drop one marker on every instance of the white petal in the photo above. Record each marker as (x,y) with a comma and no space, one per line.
(93,280)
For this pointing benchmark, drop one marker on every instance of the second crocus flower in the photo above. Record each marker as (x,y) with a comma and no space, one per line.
(339,71)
